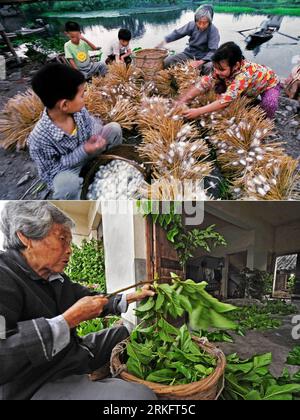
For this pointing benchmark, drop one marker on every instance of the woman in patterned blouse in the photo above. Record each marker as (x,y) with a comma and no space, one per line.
(233,76)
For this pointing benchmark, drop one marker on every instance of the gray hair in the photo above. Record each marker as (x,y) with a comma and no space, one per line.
(205,11)
(34,219)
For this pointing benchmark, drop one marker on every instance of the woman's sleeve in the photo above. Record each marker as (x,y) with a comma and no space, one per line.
(205,84)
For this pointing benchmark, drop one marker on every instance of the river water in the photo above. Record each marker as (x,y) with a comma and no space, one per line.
(149,28)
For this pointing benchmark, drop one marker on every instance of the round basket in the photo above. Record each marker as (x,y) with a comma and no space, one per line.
(207,389)
(150,61)
(125,152)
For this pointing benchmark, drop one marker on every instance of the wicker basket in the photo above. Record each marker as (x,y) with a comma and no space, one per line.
(150,61)
(125,152)
(209,388)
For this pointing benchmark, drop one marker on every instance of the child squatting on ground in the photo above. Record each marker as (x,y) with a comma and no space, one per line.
(120,51)
(232,77)
(67,137)
(77,52)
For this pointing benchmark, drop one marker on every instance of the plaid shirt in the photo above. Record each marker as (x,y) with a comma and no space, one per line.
(55,151)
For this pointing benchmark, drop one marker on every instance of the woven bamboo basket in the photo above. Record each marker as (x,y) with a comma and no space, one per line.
(150,61)
(205,390)
(124,152)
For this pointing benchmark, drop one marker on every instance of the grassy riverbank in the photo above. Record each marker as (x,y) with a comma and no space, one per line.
(267,11)
(277,7)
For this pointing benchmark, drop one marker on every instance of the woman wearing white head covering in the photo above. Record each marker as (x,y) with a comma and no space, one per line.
(203,42)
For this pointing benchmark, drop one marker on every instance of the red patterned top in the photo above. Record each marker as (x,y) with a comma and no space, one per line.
(251,79)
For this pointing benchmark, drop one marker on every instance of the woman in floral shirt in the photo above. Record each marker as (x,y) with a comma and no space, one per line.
(233,76)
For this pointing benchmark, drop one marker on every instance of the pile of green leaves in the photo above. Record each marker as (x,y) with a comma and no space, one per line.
(96,325)
(164,354)
(262,318)
(278,307)
(87,264)
(294,357)
(159,352)
(251,380)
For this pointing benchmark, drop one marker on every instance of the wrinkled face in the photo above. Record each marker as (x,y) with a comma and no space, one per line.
(222,70)
(74,37)
(203,24)
(124,43)
(76,105)
(53,253)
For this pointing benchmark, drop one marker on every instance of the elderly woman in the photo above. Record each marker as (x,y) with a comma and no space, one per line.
(204,40)
(41,356)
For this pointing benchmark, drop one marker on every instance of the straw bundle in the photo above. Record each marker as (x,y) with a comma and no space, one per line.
(185,76)
(18,119)
(124,113)
(240,142)
(164,84)
(222,120)
(97,102)
(276,182)
(175,149)
(171,189)
(158,111)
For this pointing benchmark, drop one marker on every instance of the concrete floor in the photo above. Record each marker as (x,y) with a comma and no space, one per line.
(279,342)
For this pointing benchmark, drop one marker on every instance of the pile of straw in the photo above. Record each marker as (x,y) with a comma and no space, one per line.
(18,119)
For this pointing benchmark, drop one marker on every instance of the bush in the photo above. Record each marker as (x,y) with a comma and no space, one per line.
(87,264)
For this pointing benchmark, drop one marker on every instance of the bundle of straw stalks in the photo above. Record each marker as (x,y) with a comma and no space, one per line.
(98,102)
(275,182)
(119,73)
(124,81)
(235,112)
(240,143)
(157,111)
(185,76)
(164,83)
(111,108)
(18,119)
(124,113)
(175,149)
(172,189)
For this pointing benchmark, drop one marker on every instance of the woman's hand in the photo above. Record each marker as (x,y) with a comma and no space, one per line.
(197,63)
(193,113)
(138,296)
(161,45)
(85,309)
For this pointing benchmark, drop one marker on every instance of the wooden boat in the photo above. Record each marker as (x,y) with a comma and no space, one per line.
(259,37)
(28,31)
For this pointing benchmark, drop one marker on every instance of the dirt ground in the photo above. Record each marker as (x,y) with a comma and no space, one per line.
(18,173)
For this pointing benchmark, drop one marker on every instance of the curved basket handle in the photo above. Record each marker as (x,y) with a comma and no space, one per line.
(118,350)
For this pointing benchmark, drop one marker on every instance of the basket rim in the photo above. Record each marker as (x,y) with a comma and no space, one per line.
(113,154)
(161,50)
(183,390)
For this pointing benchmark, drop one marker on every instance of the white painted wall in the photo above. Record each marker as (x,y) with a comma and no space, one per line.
(124,241)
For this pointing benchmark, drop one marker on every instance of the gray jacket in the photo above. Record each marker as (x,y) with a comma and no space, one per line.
(202,45)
